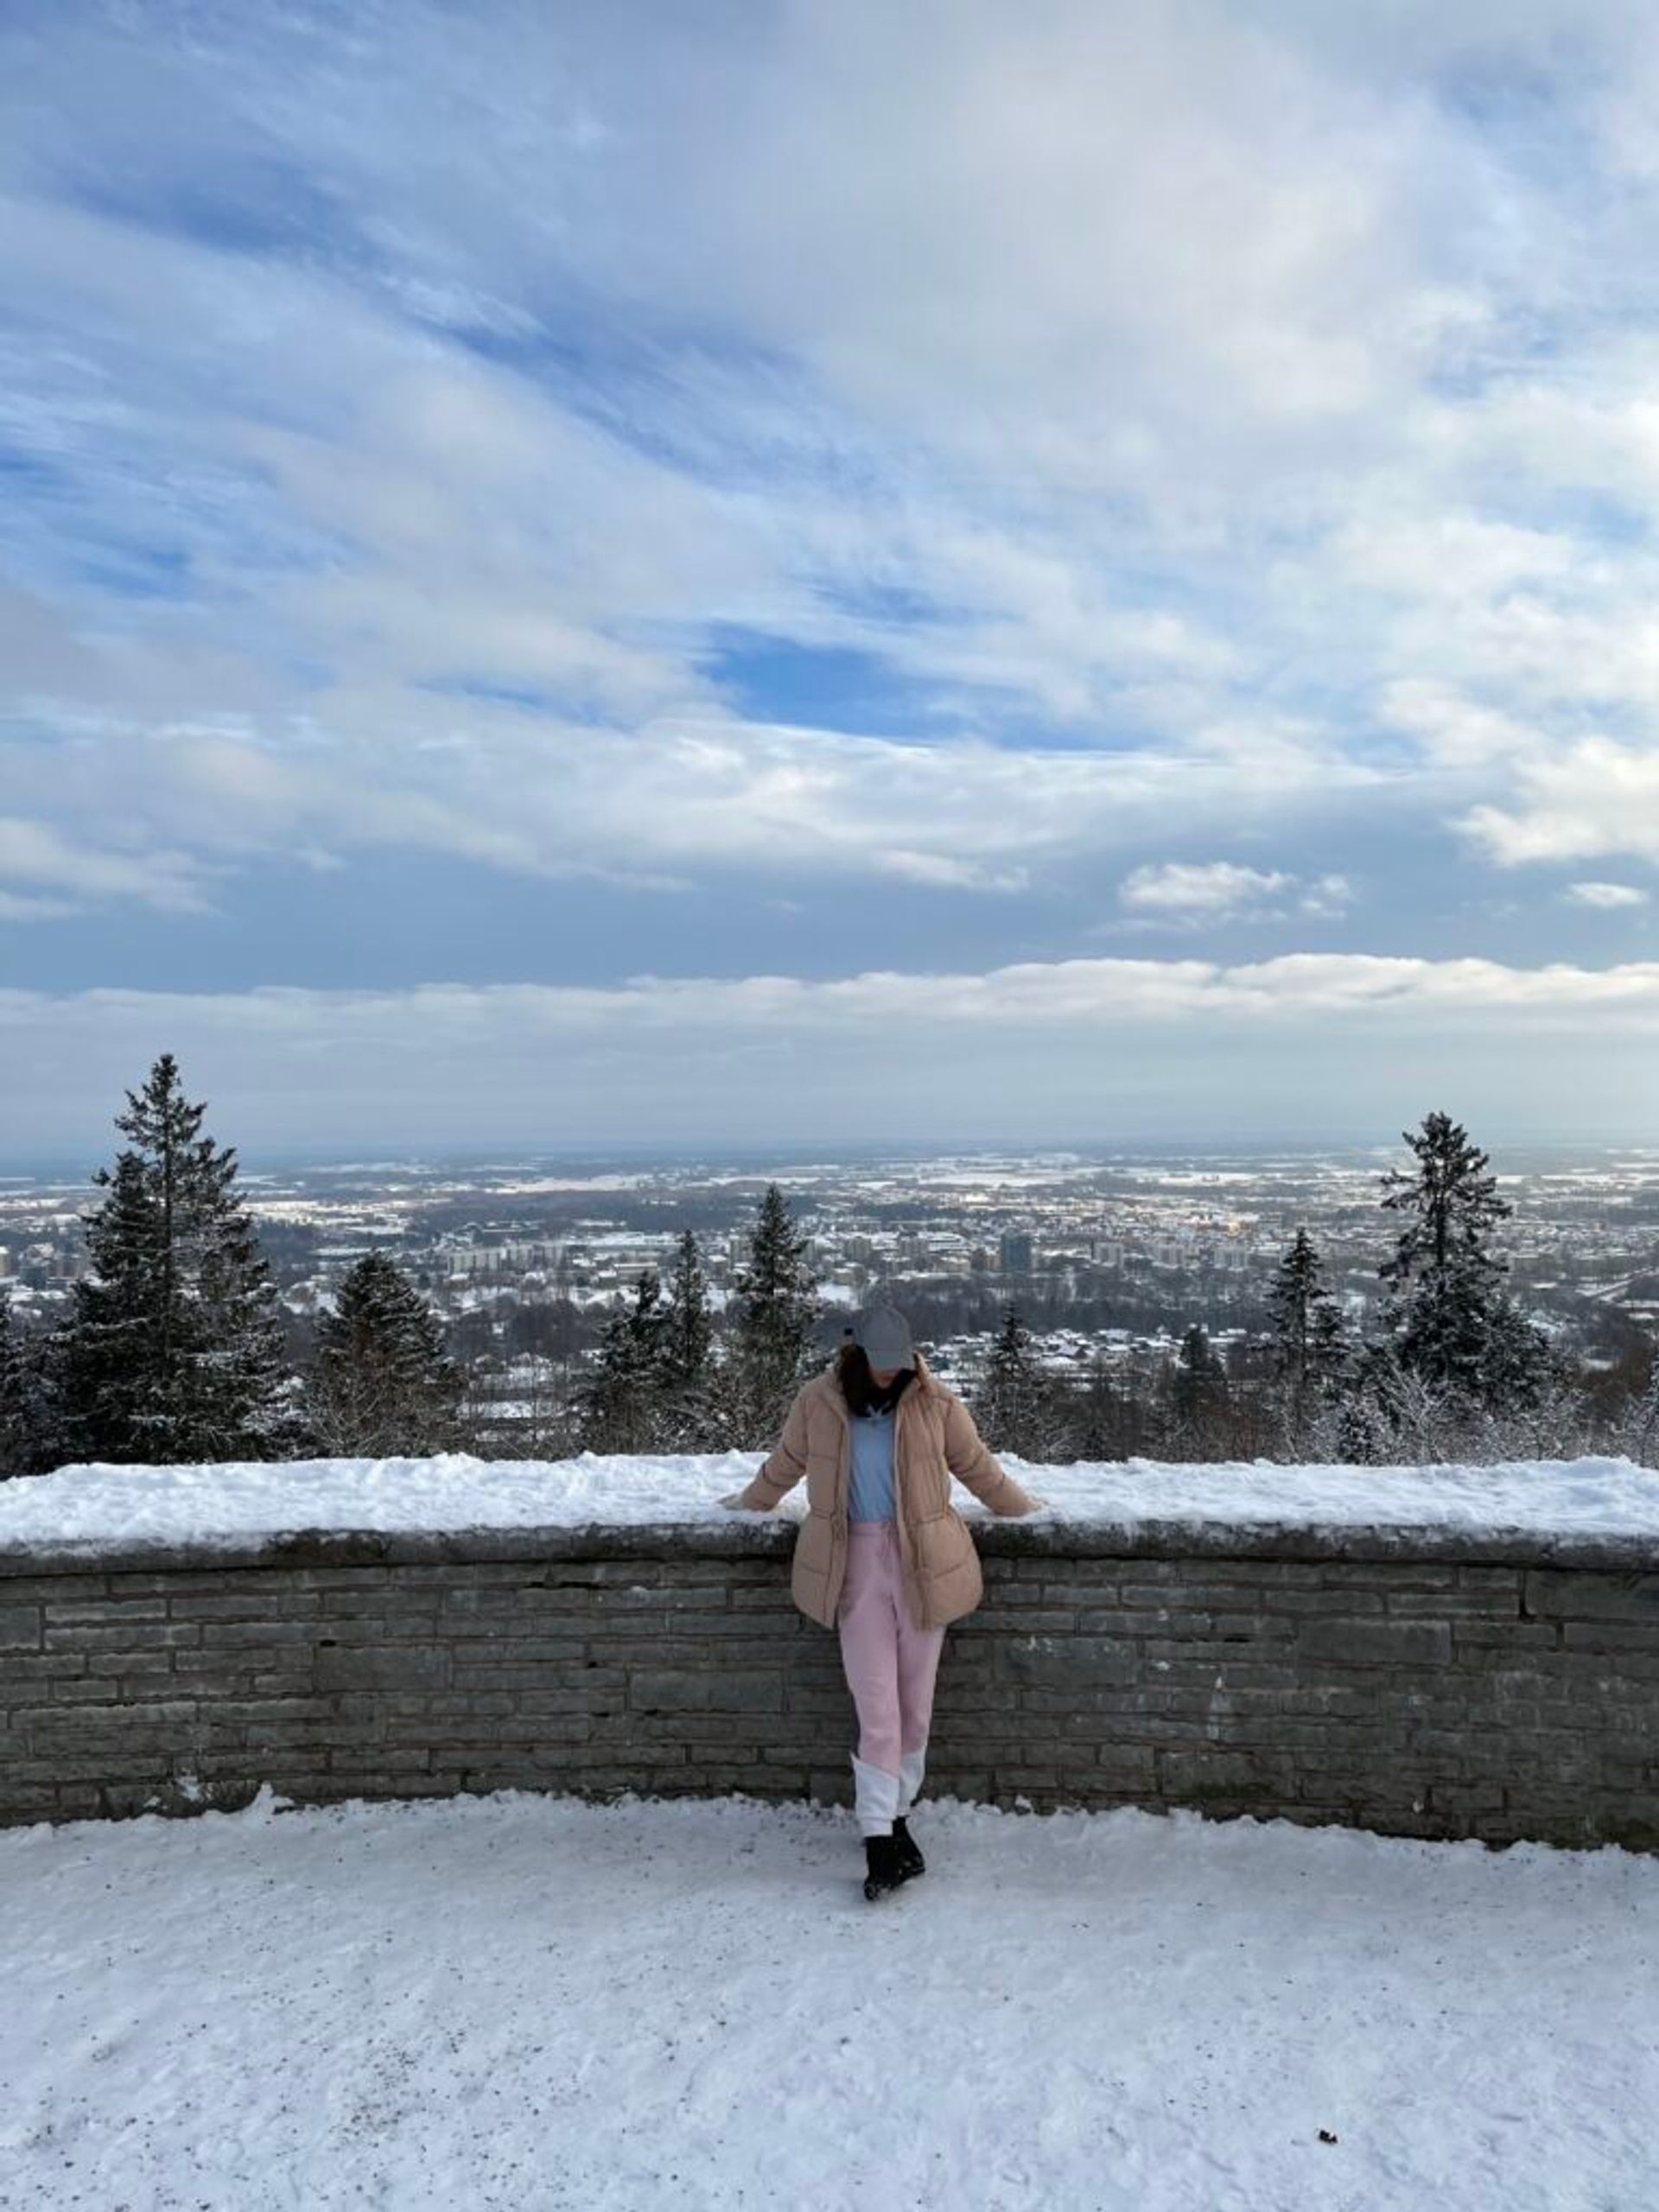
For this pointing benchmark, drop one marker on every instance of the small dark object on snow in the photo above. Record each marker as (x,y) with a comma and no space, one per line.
(882,1869)
(911,1861)
(1326,2136)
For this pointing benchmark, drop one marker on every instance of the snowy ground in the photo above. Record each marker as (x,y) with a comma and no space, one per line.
(525,2002)
(230,1503)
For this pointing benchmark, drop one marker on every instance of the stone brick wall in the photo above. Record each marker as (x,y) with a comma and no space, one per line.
(1407,1681)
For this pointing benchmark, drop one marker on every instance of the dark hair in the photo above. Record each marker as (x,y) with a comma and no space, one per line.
(858,1385)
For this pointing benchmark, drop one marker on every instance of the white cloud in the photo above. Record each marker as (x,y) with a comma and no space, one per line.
(1610,896)
(1310,1043)
(18,907)
(538,795)
(1451,729)
(1326,897)
(32,853)
(1592,799)
(1183,889)
(439,1019)
(1189,892)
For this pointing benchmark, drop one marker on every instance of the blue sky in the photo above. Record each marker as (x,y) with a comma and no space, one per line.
(883,568)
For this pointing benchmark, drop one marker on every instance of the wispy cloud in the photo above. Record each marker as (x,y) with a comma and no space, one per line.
(1077,1047)
(1610,897)
(1594,798)
(34,854)
(1193,892)
(1187,890)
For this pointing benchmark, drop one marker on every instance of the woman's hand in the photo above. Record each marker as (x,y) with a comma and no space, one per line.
(738,1502)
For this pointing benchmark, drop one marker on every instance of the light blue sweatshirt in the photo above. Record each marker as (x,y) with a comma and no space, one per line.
(869,1494)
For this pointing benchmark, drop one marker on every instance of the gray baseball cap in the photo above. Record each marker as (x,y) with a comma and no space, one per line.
(885,1335)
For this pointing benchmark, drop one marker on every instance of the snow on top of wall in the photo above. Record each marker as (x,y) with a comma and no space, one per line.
(237,1501)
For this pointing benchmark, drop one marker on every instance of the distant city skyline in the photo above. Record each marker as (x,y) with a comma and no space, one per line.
(643,1160)
(872,570)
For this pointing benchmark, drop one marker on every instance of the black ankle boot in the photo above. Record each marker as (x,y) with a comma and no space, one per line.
(911,1861)
(882,1865)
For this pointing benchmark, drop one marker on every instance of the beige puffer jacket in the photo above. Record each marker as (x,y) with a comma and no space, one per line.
(934,1438)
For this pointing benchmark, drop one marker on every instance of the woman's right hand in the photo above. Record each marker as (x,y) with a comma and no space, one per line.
(738,1502)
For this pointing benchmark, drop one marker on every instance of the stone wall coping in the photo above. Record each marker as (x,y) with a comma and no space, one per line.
(1399,1544)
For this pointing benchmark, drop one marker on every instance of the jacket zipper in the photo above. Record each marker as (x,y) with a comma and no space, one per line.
(902,1524)
(843,1482)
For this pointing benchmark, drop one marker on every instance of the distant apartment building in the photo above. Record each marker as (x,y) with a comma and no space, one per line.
(1015,1252)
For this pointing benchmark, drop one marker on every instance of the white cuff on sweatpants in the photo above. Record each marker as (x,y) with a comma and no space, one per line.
(875,1800)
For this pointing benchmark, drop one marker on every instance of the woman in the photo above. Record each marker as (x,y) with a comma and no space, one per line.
(882,1555)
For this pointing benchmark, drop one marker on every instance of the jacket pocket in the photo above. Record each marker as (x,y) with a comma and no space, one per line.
(942,1543)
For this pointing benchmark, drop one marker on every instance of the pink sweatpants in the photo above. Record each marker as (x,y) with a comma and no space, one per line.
(889,1662)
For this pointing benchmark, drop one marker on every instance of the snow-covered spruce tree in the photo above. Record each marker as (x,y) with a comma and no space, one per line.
(12,1450)
(621,1407)
(1197,1392)
(1018,1406)
(381,1384)
(31,1439)
(1638,1434)
(1449,1320)
(1535,1405)
(1454,1206)
(776,1313)
(1388,1414)
(691,1411)
(173,1348)
(1310,1349)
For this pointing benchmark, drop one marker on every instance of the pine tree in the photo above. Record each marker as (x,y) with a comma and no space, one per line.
(173,1349)
(11,1395)
(621,1409)
(1450,1321)
(1641,1417)
(1455,1206)
(689,1389)
(1518,1367)
(1372,1406)
(31,1440)
(381,1384)
(777,1310)
(1309,1347)
(1199,1392)
(1018,1407)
